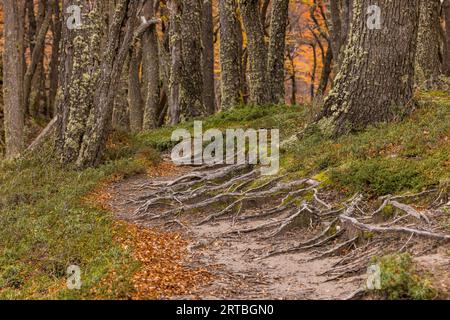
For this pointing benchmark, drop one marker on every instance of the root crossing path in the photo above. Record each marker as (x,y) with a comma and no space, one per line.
(267,237)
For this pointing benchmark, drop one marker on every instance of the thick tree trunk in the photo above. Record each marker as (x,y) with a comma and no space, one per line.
(114,57)
(209,96)
(257,52)
(191,93)
(277,46)
(230,58)
(375,83)
(152,69)
(13,70)
(446,52)
(81,58)
(428,65)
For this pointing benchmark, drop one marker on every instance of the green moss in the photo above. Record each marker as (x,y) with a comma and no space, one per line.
(400,279)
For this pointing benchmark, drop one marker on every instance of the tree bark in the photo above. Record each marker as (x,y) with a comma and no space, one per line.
(428,65)
(151,68)
(116,51)
(230,58)
(135,99)
(175,60)
(375,83)
(277,46)
(446,52)
(209,96)
(81,63)
(56,26)
(13,70)
(191,93)
(257,52)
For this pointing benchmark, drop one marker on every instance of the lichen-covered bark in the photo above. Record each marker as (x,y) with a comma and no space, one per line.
(112,62)
(81,79)
(151,69)
(209,96)
(446,51)
(191,93)
(428,65)
(375,82)
(257,52)
(230,58)
(277,45)
(13,69)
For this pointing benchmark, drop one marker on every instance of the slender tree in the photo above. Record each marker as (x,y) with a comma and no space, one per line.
(375,82)
(277,49)
(13,70)
(175,11)
(446,52)
(151,66)
(428,65)
(209,96)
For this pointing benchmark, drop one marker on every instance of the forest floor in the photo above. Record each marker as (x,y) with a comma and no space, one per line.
(263,248)
(231,260)
(141,228)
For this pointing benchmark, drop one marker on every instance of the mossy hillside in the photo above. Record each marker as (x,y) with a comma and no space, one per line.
(46,225)
(389,158)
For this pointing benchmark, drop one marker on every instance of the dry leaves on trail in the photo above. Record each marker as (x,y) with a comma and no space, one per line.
(161,254)
(164,169)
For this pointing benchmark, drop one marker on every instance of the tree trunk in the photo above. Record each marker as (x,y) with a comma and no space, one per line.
(257,52)
(277,46)
(175,63)
(35,67)
(135,100)
(151,64)
(114,57)
(446,53)
(428,65)
(13,70)
(56,27)
(209,96)
(230,58)
(191,93)
(81,63)
(375,83)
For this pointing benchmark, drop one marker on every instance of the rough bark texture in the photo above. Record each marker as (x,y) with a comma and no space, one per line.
(151,69)
(446,52)
(13,70)
(113,59)
(81,74)
(375,83)
(257,52)
(277,45)
(230,58)
(175,62)
(209,97)
(135,99)
(191,93)
(428,65)
(56,27)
